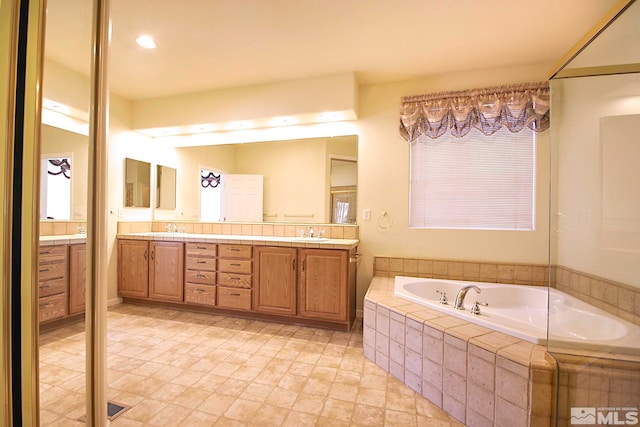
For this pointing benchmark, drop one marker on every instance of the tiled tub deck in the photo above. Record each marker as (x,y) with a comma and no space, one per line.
(479,376)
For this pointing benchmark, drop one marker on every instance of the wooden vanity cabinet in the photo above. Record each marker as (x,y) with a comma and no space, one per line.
(77,278)
(235,276)
(52,282)
(323,285)
(275,273)
(133,268)
(166,270)
(200,273)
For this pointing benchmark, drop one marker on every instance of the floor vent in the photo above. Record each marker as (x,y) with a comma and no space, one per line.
(114,410)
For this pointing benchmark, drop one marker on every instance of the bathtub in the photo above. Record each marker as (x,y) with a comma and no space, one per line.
(521,311)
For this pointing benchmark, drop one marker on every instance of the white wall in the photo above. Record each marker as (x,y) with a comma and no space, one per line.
(383,176)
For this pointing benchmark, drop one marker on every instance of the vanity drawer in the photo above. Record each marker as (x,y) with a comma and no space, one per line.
(52,253)
(234,251)
(55,270)
(199,294)
(201,249)
(234,298)
(234,280)
(197,276)
(234,266)
(52,307)
(196,263)
(52,287)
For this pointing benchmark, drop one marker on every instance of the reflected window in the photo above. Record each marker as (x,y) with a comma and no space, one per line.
(55,188)
(210,195)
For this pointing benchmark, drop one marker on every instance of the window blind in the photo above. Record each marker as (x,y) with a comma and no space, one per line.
(475,182)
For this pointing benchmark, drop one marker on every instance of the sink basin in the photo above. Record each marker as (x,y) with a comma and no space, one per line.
(309,239)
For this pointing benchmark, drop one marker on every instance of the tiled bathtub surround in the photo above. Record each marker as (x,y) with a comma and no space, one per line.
(481,377)
(521,274)
(596,383)
(616,298)
(243,229)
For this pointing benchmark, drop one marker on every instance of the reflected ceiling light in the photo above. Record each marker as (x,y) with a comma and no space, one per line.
(146,42)
(330,117)
(201,128)
(56,106)
(282,121)
(240,124)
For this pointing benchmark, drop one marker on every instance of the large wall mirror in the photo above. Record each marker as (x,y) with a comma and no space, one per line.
(137,184)
(63,177)
(165,187)
(297,175)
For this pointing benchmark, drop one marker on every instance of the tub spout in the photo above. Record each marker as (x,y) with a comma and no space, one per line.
(459,304)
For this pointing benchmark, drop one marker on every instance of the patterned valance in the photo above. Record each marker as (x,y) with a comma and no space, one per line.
(514,107)
(63,165)
(209,179)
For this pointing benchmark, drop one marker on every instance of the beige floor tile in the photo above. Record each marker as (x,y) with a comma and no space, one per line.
(192,369)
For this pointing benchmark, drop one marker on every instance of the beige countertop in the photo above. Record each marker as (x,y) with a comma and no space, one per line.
(308,242)
(64,239)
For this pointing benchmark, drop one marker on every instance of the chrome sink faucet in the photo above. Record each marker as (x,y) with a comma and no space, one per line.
(172,228)
(459,303)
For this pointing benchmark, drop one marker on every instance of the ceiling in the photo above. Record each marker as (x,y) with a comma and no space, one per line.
(213,44)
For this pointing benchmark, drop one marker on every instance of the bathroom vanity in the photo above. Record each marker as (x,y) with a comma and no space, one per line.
(62,278)
(293,280)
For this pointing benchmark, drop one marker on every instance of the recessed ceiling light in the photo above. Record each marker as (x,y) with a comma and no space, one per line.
(146,42)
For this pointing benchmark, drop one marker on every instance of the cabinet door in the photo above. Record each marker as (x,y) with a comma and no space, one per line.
(133,268)
(275,272)
(77,278)
(322,288)
(166,271)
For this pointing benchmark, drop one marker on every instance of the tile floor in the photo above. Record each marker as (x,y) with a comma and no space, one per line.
(178,368)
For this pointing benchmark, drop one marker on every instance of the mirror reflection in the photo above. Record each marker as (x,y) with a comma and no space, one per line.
(63,195)
(165,187)
(296,178)
(137,184)
(344,175)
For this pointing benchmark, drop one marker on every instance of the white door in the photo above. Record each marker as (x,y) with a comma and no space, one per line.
(242,198)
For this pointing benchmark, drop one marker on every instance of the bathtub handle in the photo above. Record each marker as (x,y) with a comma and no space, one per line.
(443,298)
(475,309)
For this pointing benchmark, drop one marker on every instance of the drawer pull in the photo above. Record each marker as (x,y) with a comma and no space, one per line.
(44,270)
(234,294)
(235,264)
(198,290)
(235,278)
(201,276)
(45,252)
(45,286)
(46,304)
(234,249)
(201,262)
(201,247)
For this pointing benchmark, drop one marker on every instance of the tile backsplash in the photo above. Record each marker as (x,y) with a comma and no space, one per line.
(58,228)
(332,231)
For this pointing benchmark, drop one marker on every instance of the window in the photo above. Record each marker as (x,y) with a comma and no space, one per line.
(475,182)
(210,195)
